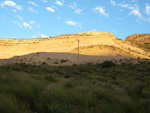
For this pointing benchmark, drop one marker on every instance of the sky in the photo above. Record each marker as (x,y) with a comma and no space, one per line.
(42,18)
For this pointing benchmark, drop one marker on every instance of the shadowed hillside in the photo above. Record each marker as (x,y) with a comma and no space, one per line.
(55,59)
(63,59)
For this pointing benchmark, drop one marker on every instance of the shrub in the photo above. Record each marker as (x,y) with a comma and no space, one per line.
(64,60)
(55,63)
(107,64)
(50,78)
(51,95)
(43,63)
(9,104)
(70,83)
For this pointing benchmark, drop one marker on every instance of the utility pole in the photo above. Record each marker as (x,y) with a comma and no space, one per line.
(78,52)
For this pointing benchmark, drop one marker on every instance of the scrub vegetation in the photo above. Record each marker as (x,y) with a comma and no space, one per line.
(88,88)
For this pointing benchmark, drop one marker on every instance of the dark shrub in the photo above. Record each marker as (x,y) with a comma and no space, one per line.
(108,64)
(70,83)
(64,60)
(43,63)
(50,78)
(55,63)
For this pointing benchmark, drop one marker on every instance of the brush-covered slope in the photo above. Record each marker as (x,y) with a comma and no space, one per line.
(91,43)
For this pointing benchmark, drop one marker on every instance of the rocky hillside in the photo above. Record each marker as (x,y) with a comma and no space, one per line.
(93,46)
(139,38)
(13,42)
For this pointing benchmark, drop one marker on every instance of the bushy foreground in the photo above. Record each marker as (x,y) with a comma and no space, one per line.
(90,88)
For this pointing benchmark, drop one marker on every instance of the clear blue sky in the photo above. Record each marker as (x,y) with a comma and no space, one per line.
(40,18)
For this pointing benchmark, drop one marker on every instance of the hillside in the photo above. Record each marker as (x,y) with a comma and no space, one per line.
(141,40)
(45,75)
(93,46)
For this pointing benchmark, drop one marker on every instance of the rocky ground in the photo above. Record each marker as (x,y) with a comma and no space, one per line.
(56,59)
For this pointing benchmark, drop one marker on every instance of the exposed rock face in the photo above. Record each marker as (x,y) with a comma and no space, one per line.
(101,45)
(139,38)
(63,43)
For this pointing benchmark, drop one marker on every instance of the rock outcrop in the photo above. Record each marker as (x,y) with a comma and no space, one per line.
(139,38)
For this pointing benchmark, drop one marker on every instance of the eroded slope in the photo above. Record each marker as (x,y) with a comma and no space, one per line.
(91,43)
